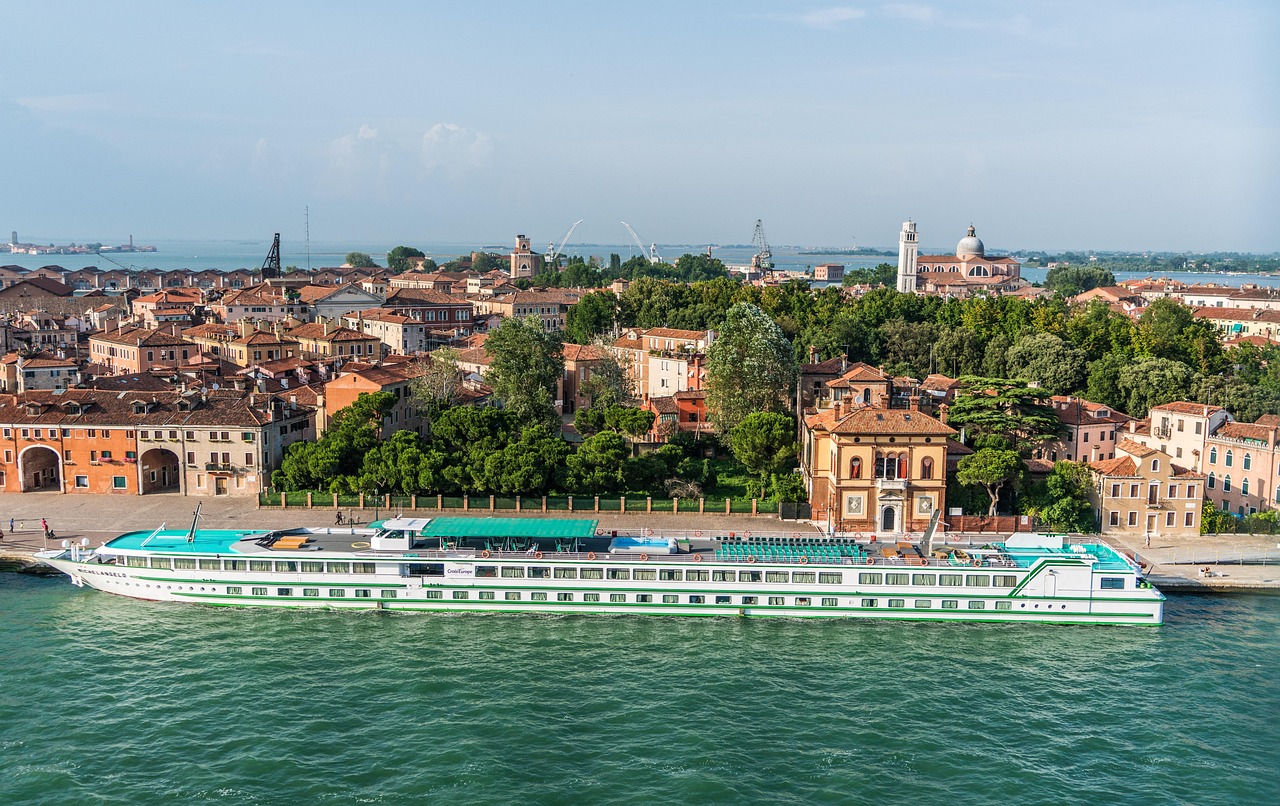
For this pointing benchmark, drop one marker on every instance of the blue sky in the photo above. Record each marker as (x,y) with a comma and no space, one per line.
(1113,125)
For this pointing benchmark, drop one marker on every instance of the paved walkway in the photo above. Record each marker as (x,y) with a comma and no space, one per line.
(1209,563)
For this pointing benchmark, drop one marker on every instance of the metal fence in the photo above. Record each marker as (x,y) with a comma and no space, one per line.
(637,504)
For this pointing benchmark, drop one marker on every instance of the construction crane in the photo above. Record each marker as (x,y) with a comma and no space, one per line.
(553,255)
(763,258)
(652,251)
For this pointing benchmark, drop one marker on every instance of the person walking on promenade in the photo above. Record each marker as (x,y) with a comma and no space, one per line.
(44,526)
(11,524)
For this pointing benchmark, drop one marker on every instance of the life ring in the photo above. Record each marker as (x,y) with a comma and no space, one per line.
(746,534)
(977,562)
(697,558)
(648,532)
(795,535)
(697,533)
(751,559)
(644,556)
(599,533)
(360,544)
(804,560)
(871,561)
(537,555)
(591,555)
(485,554)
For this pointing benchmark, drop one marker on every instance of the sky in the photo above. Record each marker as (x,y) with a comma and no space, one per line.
(1048,125)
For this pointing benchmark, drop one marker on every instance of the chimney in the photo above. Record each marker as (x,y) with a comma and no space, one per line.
(942,412)
(325,321)
(244,327)
(813,355)
(262,385)
(914,402)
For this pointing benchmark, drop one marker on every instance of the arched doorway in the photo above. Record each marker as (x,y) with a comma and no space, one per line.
(40,468)
(887,520)
(161,472)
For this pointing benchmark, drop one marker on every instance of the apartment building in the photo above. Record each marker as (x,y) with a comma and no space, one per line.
(1142,492)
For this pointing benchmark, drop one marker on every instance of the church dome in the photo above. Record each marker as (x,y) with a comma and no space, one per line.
(970,245)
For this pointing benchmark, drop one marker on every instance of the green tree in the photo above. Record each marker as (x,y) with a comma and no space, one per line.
(607,384)
(629,421)
(990,469)
(360,260)
(1005,408)
(1104,380)
(597,466)
(1153,382)
(594,315)
(908,347)
(438,384)
(355,431)
(526,364)
(531,465)
(398,258)
(1046,359)
(485,262)
(765,442)
(1061,501)
(1072,280)
(750,367)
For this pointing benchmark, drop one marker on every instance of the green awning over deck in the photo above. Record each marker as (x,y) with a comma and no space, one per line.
(543,528)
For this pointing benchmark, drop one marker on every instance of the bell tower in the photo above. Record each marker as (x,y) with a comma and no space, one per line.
(907,249)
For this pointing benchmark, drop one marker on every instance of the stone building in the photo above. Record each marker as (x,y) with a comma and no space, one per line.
(1142,492)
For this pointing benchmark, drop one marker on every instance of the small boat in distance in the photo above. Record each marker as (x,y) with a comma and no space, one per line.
(570,565)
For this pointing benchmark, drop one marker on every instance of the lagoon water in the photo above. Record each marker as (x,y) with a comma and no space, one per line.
(109,700)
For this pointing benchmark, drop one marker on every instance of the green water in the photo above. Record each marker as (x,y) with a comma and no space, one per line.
(108,700)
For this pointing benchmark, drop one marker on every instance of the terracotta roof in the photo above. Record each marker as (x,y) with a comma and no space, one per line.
(1135,448)
(832,366)
(1269,420)
(316,332)
(664,405)
(1180,407)
(859,373)
(225,407)
(382,315)
(1119,466)
(1039,466)
(47,285)
(939,383)
(1074,411)
(874,420)
(583,352)
(673,333)
(1184,473)
(399,297)
(260,337)
(1234,430)
(474,355)
(139,337)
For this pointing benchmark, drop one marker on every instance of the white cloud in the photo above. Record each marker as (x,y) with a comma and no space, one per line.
(910,11)
(828,19)
(452,149)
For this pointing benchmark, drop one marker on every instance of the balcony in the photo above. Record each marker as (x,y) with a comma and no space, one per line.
(218,467)
(891,484)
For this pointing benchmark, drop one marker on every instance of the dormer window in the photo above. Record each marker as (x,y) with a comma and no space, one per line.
(1102,413)
(184,405)
(139,408)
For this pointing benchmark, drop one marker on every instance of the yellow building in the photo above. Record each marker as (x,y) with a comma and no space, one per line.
(871,469)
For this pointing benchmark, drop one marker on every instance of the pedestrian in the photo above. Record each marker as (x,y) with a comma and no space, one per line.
(1148,541)
(44,527)
(11,524)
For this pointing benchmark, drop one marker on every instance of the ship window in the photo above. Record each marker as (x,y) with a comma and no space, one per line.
(259,565)
(435,594)
(750,576)
(456,594)
(340,568)
(287,566)
(566,573)
(538,596)
(950,580)
(697,599)
(870,579)
(564,597)
(830,601)
(617,597)
(897,603)
(1112,583)
(234,590)
(719,599)
(510,596)
(697,575)
(619,573)
(803,601)
(289,592)
(363,568)
(364,593)
(750,600)
(210,565)
(486,571)
(977,581)
(868,602)
(310,591)
(979,605)
(804,577)
(234,565)
(311,567)
(1004,605)
(897,579)
(721,576)
(950,604)
(923,604)
(390,594)
(182,563)
(482,594)
(1003,581)
(670,575)
(648,574)
(160,562)
(773,600)
(830,577)
(671,598)
(338,593)
(775,576)
(591,573)
(644,598)
(258,591)
(540,572)
(590,597)
(924,579)
(514,572)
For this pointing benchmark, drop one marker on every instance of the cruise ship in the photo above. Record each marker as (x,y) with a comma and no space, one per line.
(569,565)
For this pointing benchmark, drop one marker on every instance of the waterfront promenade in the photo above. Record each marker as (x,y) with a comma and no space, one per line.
(1236,562)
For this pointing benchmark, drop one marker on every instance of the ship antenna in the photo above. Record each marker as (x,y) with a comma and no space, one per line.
(191,535)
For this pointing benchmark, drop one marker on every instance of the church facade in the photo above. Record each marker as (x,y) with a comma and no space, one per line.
(966,273)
